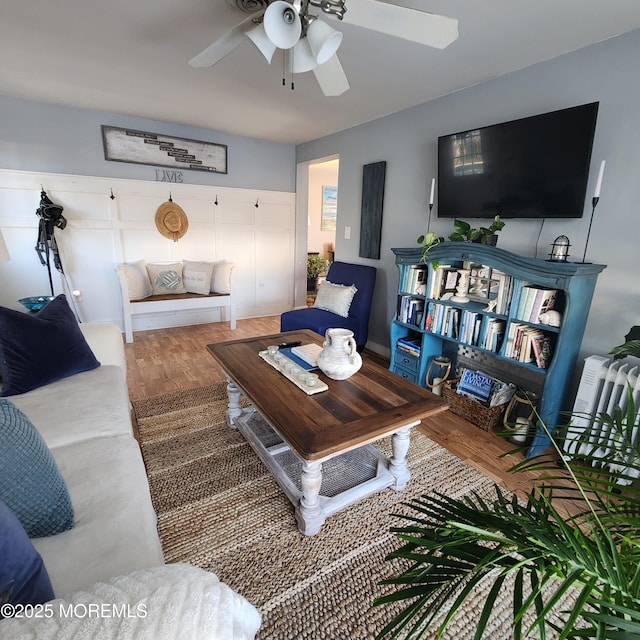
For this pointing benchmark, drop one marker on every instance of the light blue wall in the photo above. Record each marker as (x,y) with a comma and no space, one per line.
(43,137)
(605,72)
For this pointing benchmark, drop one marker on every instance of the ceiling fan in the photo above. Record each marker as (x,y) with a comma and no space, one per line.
(312,43)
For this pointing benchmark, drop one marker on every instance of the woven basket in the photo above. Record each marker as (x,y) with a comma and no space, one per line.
(487,418)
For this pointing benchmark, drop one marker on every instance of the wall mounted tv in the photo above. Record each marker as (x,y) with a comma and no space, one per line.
(535,167)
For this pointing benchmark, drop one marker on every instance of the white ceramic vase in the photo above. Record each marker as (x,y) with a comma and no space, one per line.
(339,358)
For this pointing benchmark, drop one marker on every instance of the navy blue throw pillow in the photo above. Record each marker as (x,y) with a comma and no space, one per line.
(42,348)
(23,576)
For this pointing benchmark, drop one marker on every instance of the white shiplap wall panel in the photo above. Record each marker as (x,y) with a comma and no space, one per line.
(102,231)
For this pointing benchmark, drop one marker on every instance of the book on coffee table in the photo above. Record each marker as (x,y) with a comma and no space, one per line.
(302,356)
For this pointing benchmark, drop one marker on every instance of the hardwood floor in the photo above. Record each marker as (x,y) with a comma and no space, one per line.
(169,359)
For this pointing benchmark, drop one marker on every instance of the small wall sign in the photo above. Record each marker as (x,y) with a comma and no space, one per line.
(142,147)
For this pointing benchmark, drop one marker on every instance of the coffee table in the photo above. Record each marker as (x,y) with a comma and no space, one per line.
(319,447)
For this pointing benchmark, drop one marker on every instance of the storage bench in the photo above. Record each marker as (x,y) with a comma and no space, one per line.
(136,300)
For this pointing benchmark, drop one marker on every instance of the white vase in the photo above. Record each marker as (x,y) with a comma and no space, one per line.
(339,358)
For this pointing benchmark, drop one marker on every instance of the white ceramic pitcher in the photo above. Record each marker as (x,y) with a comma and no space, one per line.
(339,358)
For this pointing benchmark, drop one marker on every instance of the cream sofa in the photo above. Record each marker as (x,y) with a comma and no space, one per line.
(85,421)
(113,553)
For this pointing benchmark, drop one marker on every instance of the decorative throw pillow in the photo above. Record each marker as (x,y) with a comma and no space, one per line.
(166,278)
(197,276)
(38,349)
(137,279)
(23,576)
(221,278)
(336,298)
(30,481)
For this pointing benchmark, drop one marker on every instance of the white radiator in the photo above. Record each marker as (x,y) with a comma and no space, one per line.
(603,386)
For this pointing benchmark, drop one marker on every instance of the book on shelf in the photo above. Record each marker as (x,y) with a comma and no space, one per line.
(533,301)
(441,281)
(525,304)
(542,351)
(410,310)
(493,335)
(545,300)
(503,291)
(409,345)
(414,280)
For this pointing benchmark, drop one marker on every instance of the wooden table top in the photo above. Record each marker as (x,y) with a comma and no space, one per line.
(367,406)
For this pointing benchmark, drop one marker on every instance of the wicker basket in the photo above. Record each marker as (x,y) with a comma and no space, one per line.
(487,418)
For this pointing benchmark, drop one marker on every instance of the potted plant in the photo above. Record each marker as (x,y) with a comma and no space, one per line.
(575,572)
(631,346)
(464,232)
(427,241)
(316,266)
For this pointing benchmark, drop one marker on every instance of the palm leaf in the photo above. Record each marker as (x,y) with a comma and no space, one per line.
(454,546)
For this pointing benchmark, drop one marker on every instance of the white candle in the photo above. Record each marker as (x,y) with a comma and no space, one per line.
(433,188)
(599,182)
(437,386)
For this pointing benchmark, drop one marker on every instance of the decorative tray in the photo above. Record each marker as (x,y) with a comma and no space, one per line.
(294,372)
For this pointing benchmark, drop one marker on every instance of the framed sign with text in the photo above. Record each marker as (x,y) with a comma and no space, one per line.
(142,147)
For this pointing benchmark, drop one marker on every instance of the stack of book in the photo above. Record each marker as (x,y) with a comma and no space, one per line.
(528,344)
(410,310)
(409,345)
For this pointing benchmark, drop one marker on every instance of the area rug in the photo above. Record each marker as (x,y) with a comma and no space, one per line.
(218,508)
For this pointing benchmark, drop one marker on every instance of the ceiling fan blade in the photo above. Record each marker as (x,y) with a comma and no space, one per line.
(430,29)
(331,77)
(225,44)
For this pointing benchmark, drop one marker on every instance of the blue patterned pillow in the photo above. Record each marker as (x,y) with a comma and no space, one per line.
(23,576)
(42,348)
(30,481)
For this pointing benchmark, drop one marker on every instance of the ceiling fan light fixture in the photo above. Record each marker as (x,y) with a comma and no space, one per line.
(324,41)
(282,24)
(259,37)
(301,59)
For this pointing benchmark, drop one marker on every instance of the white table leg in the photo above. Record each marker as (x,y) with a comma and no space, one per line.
(234,410)
(398,463)
(309,514)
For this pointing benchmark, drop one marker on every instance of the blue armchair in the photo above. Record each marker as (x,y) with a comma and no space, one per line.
(319,320)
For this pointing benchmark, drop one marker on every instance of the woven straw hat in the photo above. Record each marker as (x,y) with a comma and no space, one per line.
(171,220)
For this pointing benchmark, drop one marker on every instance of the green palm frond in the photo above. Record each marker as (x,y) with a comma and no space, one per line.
(571,575)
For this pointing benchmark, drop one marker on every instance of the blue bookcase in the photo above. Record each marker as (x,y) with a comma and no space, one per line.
(481,333)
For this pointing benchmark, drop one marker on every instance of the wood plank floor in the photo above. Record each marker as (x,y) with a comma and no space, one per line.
(169,359)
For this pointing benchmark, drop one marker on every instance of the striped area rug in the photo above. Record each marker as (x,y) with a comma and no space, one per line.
(219,509)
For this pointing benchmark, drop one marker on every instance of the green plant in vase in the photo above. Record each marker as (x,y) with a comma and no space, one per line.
(566,572)
(464,232)
(316,266)
(427,241)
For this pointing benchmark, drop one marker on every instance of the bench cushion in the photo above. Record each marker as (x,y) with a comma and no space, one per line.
(197,276)
(138,283)
(166,278)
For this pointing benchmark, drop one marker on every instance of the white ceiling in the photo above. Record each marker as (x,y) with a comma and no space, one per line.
(130,57)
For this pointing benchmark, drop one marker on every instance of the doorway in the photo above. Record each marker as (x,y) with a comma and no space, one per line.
(322,212)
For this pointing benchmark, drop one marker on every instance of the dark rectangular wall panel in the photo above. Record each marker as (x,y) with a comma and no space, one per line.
(371,216)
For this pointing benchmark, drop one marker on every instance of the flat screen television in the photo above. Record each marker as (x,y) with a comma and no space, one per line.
(535,167)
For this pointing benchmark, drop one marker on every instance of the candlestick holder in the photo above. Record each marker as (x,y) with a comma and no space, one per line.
(594,204)
(462,287)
